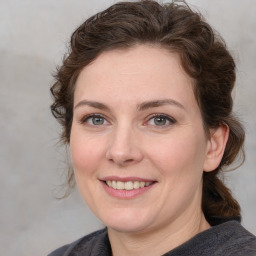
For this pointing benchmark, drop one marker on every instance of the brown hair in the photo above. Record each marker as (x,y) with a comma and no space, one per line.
(203,55)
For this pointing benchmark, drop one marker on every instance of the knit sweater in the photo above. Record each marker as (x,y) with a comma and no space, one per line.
(224,239)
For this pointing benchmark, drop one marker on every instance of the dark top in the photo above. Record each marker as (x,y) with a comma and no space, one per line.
(228,238)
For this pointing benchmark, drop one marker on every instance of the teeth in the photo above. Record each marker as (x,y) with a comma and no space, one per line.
(120,185)
(147,184)
(128,185)
(136,184)
(114,184)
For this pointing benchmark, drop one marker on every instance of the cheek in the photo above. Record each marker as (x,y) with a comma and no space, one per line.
(85,153)
(180,155)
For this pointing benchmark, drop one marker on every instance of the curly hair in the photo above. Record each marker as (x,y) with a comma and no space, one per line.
(204,57)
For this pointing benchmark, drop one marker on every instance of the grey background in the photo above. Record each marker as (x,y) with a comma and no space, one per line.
(33,38)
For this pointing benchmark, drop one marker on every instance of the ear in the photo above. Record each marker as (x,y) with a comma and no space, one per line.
(216,147)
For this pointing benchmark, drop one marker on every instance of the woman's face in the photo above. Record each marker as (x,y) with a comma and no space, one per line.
(137,141)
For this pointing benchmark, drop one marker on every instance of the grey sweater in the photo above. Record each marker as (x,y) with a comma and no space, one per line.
(225,239)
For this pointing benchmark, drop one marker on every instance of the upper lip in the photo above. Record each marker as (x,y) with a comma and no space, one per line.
(125,179)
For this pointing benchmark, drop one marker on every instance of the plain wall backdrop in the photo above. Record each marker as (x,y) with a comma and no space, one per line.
(33,38)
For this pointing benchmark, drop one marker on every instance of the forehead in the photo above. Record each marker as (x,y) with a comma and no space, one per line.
(142,72)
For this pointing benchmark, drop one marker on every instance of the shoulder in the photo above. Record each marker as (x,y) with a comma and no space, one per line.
(88,245)
(233,239)
(227,238)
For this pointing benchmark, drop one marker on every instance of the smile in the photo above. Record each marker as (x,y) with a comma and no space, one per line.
(128,185)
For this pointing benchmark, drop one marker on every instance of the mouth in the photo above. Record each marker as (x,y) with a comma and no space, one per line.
(127,185)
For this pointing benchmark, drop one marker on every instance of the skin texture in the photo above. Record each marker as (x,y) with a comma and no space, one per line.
(128,142)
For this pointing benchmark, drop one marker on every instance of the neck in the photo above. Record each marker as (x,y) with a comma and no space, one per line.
(159,241)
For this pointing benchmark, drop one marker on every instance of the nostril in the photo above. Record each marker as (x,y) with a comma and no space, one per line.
(121,161)
(124,162)
(124,153)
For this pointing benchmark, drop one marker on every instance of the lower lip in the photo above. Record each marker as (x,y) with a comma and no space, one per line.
(126,194)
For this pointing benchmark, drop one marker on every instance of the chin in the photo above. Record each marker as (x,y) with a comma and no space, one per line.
(126,221)
(127,227)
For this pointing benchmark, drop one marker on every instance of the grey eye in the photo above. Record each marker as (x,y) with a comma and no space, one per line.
(94,120)
(97,120)
(159,121)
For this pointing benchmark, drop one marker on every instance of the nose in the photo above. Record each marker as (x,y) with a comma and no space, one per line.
(124,148)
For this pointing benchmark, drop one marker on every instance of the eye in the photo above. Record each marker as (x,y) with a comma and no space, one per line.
(94,120)
(161,120)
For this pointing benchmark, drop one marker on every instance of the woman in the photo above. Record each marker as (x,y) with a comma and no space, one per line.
(144,99)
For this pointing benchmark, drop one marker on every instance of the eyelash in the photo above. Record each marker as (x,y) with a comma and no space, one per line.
(163,116)
(87,117)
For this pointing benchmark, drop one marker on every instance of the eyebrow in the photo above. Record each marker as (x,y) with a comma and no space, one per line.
(140,107)
(158,103)
(93,104)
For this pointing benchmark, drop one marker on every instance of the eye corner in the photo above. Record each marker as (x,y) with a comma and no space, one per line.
(160,120)
(94,120)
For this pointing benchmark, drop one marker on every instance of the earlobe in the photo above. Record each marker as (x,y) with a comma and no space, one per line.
(216,147)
